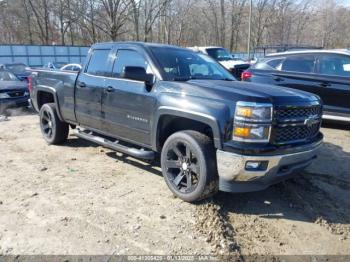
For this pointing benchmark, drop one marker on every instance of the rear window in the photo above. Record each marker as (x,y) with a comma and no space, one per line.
(99,63)
(269,64)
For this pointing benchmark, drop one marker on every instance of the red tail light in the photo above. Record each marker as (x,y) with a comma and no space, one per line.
(30,83)
(246,75)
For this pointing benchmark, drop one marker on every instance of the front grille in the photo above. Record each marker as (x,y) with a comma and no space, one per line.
(297,112)
(15,93)
(296,124)
(296,133)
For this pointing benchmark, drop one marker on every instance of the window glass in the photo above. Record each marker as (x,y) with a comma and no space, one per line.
(129,58)
(219,54)
(182,65)
(269,64)
(99,62)
(302,64)
(335,65)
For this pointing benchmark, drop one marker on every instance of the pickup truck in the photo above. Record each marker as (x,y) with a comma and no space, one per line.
(211,132)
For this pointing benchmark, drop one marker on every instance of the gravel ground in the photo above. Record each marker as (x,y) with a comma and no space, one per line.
(80,198)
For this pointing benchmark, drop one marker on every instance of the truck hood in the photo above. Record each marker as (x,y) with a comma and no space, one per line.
(231,63)
(241,91)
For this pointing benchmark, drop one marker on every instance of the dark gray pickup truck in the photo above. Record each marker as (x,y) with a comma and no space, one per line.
(210,131)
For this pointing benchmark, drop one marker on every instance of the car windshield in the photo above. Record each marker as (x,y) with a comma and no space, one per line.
(219,54)
(16,68)
(7,76)
(183,65)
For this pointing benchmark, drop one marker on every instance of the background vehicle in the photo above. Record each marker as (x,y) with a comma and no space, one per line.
(13,92)
(54,65)
(234,65)
(71,67)
(21,70)
(325,73)
(211,131)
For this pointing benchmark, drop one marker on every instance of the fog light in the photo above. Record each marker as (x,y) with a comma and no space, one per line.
(256,165)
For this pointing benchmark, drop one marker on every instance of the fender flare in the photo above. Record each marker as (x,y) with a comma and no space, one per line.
(191,115)
(51,90)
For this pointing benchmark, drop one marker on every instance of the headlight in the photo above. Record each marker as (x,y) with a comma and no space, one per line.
(4,95)
(252,122)
(255,112)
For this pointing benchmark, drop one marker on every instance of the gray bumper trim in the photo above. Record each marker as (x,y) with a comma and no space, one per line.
(231,167)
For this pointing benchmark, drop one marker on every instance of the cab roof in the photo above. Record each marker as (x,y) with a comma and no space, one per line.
(312,51)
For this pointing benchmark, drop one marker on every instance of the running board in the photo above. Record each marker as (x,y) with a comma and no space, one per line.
(138,153)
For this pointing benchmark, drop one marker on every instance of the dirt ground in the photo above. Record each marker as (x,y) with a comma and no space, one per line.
(80,198)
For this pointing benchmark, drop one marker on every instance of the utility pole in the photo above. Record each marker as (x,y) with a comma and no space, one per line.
(249,27)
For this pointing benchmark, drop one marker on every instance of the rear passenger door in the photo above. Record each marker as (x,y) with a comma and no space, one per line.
(127,105)
(334,78)
(89,87)
(298,71)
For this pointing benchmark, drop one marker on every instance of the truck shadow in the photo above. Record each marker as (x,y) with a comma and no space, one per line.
(152,167)
(320,192)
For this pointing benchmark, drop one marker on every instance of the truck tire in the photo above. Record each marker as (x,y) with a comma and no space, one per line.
(188,162)
(54,131)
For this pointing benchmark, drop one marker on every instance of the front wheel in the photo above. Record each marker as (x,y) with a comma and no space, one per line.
(52,128)
(188,164)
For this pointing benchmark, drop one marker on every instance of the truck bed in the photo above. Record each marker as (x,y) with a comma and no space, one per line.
(62,83)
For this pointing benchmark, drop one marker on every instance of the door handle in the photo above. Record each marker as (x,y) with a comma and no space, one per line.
(325,84)
(81,84)
(109,89)
(278,79)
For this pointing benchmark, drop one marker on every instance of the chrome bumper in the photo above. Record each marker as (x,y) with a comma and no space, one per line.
(232,167)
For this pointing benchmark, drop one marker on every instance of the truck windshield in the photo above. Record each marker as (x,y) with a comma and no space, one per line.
(183,65)
(219,54)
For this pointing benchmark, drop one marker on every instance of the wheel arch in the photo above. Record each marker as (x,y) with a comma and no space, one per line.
(46,94)
(167,116)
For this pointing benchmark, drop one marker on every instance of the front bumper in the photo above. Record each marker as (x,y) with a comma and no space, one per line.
(234,176)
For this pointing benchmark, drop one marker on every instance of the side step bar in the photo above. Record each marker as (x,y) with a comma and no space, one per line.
(138,153)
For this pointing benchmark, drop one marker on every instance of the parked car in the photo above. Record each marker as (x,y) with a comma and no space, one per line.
(322,72)
(234,65)
(71,67)
(211,131)
(22,71)
(13,91)
(54,65)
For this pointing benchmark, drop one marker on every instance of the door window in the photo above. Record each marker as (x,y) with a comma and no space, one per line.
(129,58)
(302,64)
(99,63)
(334,65)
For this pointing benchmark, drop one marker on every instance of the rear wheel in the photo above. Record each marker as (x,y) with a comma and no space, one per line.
(188,164)
(53,129)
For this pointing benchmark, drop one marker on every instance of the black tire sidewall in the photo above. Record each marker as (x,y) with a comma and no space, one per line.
(204,178)
(60,129)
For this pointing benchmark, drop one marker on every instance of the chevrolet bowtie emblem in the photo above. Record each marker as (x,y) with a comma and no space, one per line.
(311,121)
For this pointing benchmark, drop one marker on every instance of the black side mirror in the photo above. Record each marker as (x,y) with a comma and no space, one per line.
(137,73)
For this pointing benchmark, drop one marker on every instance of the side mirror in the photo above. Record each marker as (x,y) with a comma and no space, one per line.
(137,73)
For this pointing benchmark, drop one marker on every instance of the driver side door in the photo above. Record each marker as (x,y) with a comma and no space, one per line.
(127,105)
